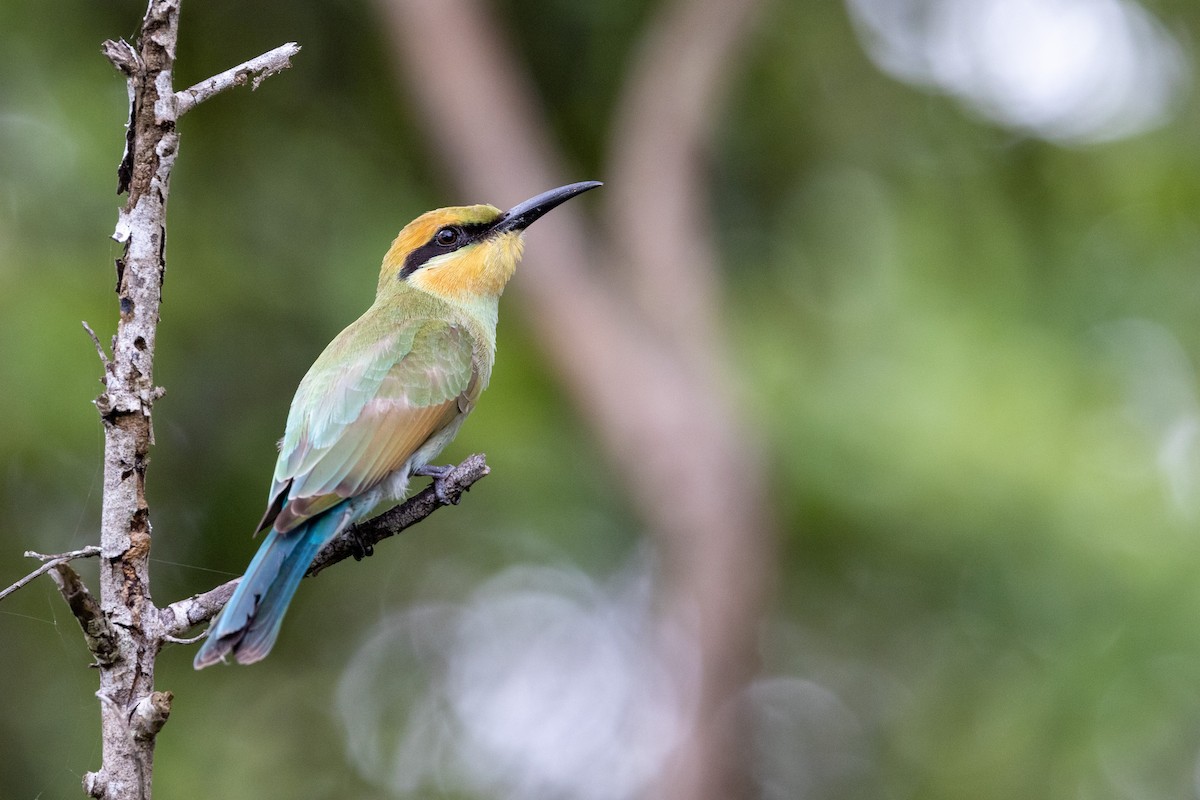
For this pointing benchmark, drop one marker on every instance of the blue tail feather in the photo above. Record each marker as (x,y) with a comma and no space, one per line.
(249,623)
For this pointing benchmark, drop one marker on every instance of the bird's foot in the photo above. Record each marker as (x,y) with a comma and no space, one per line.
(361,548)
(439,475)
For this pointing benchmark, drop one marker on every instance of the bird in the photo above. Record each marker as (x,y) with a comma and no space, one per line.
(380,403)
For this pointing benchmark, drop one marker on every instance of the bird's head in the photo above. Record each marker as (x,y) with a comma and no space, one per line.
(465,252)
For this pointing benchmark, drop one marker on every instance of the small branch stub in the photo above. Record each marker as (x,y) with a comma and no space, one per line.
(99,635)
(95,784)
(150,714)
(122,56)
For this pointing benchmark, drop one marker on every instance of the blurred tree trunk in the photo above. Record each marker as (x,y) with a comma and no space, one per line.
(631,321)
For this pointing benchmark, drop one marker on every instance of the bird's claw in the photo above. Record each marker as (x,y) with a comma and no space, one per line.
(439,475)
(360,547)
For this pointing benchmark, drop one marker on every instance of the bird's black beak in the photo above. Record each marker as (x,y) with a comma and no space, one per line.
(522,215)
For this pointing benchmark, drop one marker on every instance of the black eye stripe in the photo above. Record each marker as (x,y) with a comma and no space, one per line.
(468,234)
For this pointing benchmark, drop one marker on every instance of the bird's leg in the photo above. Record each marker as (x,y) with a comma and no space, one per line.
(439,475)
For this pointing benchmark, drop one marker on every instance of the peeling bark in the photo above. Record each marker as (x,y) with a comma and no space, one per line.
(127,673)
(123,629)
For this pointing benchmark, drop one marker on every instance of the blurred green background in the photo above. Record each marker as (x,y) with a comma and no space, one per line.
(967,343)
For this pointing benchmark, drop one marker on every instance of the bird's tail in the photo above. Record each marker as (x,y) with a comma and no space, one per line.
(250,621)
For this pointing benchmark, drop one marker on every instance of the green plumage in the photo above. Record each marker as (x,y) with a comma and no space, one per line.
(382,400)
(381,393)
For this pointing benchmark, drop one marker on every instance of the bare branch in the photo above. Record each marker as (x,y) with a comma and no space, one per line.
(96,631)
(187,640)
(409,513)
(127,672)
(184,614)
(96,341)
(52,561)
(122,628)
(84,552)
(254,72)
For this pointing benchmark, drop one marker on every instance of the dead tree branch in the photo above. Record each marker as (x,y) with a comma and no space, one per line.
(409,513)
(254,72)
(96,341)
(119,628)
(97,633)
(127,677)
(185,614)
(51,562)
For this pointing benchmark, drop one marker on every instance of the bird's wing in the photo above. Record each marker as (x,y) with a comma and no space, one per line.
(355,420)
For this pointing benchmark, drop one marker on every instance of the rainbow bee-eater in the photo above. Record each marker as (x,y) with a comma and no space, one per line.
(380,403)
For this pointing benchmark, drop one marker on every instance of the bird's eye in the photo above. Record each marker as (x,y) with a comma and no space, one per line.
(447,236)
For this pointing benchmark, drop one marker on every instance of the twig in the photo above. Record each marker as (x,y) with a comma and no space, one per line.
(96,341)
(52,561)
(187,640)
(189,612)
(254,71)
(409,513)
(84,552)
